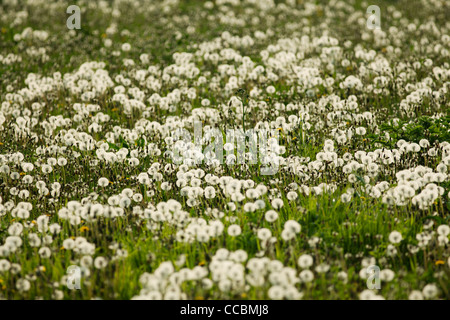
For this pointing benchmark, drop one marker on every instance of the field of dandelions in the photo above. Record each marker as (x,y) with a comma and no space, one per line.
(86,136)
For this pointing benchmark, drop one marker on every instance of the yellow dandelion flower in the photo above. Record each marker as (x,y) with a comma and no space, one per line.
(439,262)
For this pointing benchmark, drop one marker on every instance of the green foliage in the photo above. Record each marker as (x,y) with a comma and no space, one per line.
(431,129)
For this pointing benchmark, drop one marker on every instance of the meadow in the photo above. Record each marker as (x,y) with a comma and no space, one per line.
(89,123)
